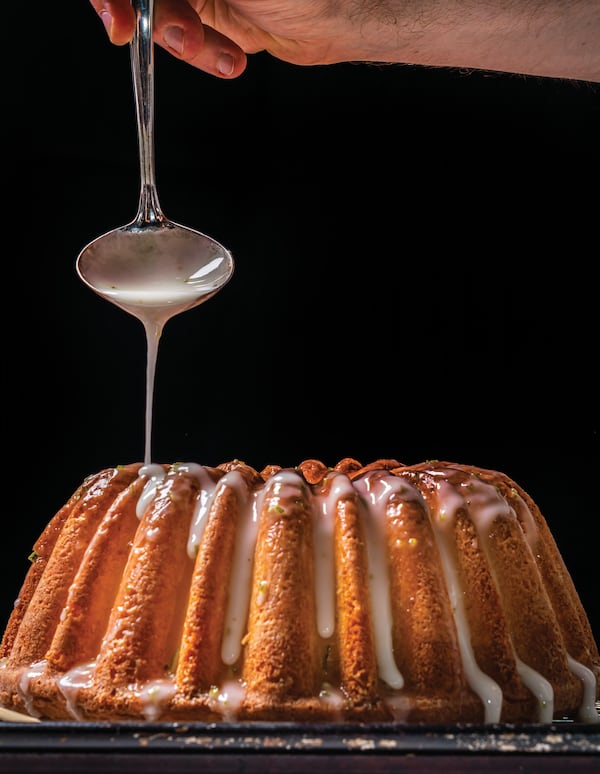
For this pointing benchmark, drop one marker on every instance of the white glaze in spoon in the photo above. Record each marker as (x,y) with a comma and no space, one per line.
(152,267)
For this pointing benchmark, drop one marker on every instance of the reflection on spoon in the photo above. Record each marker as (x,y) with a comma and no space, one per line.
(155,273)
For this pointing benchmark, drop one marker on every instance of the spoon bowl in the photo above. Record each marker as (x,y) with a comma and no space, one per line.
(152,267)
(155,271)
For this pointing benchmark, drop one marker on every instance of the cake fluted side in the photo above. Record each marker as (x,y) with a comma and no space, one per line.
(432,592)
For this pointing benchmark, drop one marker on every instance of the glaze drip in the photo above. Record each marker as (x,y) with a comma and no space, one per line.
(444,497)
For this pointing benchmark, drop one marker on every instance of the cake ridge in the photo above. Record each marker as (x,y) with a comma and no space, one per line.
(383,591)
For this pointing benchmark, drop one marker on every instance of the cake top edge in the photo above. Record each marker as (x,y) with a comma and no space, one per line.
(314,471)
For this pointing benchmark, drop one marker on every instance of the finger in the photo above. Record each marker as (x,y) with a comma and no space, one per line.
(118,19)
(178,29)
(216,55)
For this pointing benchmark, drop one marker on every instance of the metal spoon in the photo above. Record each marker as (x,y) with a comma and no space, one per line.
(152,267)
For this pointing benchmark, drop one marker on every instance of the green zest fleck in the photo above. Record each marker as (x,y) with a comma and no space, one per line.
(33,556)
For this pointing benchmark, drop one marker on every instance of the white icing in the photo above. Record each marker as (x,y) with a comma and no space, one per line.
(227,699)
(203,503)
(587,710)
(156,475)
(376,490)
(154,695)
(484,503)
(332,697)
(399,706)
(325,511)
(381,495)
(27,675)
(526,520)
(153,534)
(484,686)
(540,688)
(240,581)
(80,676)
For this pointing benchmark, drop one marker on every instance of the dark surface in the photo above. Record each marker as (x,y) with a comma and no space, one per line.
(265,747)
(413,253)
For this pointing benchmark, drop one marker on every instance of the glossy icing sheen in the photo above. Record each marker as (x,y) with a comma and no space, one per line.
(380,495)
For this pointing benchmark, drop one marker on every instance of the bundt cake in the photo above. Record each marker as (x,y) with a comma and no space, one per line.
(426,593)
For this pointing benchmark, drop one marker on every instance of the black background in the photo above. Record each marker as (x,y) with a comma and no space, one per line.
(415,275)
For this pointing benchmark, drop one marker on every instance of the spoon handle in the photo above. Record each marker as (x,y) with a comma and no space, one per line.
(142,69)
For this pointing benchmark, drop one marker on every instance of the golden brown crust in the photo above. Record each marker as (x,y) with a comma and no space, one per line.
(37,627)
(354,637)
(139,641)
(425,642)
(280,659)
(119,593)
(199,662)
(92,593)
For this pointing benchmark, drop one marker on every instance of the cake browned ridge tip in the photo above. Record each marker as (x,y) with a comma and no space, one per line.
(428,593)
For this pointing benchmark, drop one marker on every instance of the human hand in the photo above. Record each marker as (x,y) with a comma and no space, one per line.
(215,36)
(546,39)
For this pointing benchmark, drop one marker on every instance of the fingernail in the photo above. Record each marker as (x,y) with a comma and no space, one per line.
(225,64)
(173,37)
(107,20)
